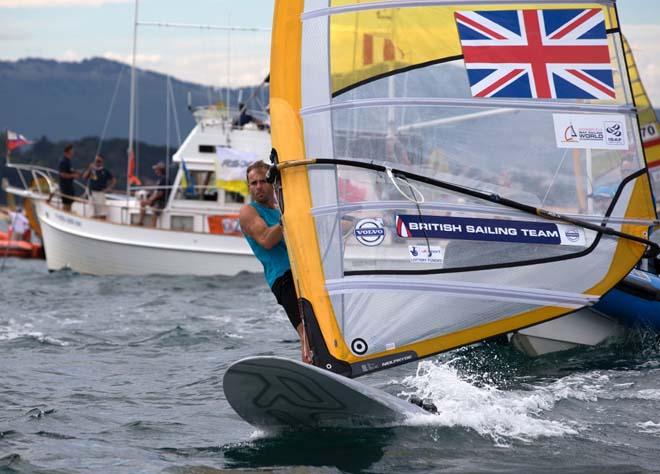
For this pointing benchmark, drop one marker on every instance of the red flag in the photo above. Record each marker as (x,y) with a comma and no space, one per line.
(132,179)
(15,140)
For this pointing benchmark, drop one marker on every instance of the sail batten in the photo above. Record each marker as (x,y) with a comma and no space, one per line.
(432,199)
(342,209)
(536,296)
(378,5)
(466,103)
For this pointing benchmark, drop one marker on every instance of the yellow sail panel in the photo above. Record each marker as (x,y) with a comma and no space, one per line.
(647,118)
(288,140)
(371,43)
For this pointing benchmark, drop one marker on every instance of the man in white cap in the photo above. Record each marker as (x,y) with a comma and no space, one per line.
(158,197)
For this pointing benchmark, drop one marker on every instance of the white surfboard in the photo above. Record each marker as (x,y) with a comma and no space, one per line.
(273,392)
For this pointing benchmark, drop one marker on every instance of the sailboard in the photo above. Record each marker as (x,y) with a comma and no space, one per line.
(276,393)
(436,164)
(648,121)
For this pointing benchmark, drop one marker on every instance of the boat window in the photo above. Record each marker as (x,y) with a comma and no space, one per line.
(200,188)
(184,223)
(233,197)
(207,148)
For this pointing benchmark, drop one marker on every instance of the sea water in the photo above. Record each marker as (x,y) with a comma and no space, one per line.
(124,374)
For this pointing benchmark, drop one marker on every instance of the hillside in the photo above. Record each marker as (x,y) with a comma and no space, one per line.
(71,100)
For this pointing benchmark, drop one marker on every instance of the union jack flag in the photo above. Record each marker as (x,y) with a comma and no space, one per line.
(545,54)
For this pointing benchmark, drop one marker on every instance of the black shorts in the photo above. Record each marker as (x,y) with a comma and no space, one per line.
(67,195)
(285,292)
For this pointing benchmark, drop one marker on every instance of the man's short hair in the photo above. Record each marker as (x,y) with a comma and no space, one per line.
(254,166)
(68,148)
(98,155)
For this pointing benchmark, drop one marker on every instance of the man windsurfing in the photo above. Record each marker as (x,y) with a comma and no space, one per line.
(261,223)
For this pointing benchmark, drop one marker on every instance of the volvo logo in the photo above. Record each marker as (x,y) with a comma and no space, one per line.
(370,232)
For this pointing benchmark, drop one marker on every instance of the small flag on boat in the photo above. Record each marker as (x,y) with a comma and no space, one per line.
(544,54)
(15,140)
(186,180)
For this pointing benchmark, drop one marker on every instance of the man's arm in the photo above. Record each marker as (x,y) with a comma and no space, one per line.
(155,196)
(113,182)
(73,174)
(254,226)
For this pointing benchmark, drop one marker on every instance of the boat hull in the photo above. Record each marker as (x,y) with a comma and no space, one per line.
(97,247)
(635,303)
(581,328)
(19,248)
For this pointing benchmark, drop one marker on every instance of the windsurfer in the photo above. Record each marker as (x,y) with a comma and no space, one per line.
(261,222)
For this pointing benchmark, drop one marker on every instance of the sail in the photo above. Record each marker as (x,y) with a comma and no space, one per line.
(648,121)
(441,167)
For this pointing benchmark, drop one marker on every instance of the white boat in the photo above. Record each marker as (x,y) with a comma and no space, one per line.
(586,327)
(197,233)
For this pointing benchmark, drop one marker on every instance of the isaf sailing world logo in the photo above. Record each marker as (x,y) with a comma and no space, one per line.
(570,135)
(614,133)
(370,232)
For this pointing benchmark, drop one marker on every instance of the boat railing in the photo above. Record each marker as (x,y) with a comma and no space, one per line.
(41,181)
(34,177)
(124,204)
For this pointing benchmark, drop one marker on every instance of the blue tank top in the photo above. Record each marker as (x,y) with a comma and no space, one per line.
(275,260)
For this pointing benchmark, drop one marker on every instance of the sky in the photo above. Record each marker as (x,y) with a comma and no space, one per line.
(74,30)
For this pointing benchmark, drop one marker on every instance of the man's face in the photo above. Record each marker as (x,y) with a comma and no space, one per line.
(260,190)
(69,153)
(98,162)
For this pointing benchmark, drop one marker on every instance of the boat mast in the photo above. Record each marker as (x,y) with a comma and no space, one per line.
(131,111)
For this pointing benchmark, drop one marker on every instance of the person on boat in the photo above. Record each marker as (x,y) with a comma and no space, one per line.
(19,226)
(261,223)
(99,180)
(244,117)
(158,197)
(67,175)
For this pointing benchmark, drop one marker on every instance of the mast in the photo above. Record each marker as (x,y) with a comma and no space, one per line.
(131,108)
(227,105)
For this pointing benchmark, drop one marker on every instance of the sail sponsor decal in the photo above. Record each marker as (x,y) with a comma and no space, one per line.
(426,253)
(384,362)
(650,134)
(543,54)
(370,232)
(492,230)
(595,131)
